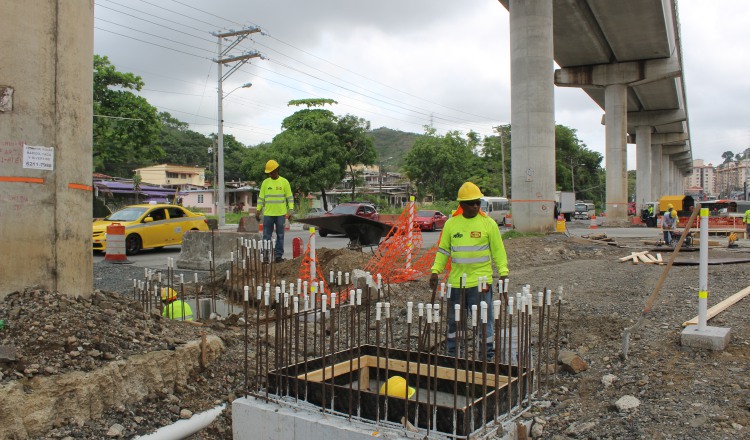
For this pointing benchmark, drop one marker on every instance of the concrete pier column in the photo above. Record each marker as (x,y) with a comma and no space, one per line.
(532,115)
(656,157)
(45,145)
(666,190)
(643,166)
(616,114)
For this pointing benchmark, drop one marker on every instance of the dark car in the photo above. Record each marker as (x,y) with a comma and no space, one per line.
(361,209)
(428,220)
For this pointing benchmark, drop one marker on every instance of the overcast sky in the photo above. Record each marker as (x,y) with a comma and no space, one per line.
(399,64)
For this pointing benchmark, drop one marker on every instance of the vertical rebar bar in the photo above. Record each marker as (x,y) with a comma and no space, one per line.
(509,338)
(409,310)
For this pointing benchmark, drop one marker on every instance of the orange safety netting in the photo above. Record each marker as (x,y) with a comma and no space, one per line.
(304,275)
(399,257)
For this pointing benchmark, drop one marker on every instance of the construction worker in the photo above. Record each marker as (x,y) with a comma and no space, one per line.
(668,223)
(472,241)
(746,219)
(173,307)
(277,204)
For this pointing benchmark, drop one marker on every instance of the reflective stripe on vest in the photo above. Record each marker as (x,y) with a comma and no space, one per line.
(444,252)
(470,248)
(470,260)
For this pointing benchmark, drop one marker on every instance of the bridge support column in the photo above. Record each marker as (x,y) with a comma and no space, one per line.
(656,171)
(666,175)
(45,135)
(532,115)
(616,111)
(643,166)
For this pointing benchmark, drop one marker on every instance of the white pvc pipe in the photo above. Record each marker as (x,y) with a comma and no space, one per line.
(184,428)
(313,269)
(409,244)
(703,272)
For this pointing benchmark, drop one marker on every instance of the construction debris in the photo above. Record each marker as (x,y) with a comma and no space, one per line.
(601,239)
(720,307)
(644,257)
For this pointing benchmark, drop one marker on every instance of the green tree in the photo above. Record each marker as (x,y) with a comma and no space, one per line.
(727,156)
(181,145)
(577,168)
(357,146)
(126,126)
(440,164)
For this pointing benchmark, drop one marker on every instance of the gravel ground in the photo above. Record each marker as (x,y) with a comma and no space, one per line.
(681,393)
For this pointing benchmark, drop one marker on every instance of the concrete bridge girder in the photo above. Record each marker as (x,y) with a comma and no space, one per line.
(631,73)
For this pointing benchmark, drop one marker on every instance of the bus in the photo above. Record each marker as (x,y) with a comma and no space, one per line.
(497,208)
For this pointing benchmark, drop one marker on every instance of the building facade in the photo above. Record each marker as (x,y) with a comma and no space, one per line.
(173,176)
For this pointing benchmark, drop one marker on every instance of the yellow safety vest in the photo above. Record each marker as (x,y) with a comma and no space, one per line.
(174,310)
(472,244)
(747,217)
(275,196)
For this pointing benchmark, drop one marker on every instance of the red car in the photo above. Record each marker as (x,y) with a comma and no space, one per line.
(428,220)
(366,210)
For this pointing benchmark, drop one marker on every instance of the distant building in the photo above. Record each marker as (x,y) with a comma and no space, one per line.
(173,176)
(732,178)
(702,182)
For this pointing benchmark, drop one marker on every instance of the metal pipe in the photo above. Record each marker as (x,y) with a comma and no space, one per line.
(509,338)
(409,307)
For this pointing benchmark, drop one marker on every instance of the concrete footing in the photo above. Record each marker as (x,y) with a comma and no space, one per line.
(710,338)
(254,418)
(197,245)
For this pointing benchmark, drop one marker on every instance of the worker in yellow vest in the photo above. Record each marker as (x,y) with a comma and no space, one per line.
(173,307)
(276,203)
(746,219)
(472,241)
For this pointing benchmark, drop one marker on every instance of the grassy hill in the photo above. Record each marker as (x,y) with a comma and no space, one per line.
(393,144)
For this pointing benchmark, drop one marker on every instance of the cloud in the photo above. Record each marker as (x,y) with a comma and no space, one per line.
(399,64)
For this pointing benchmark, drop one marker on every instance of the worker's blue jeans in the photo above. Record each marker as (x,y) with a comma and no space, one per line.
(471,297)
(271,222)
(667,237)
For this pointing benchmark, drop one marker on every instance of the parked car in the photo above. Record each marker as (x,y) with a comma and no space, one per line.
(149,226)
(362,209)
(429,220)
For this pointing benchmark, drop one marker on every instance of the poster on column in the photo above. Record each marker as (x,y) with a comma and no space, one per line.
(38,158)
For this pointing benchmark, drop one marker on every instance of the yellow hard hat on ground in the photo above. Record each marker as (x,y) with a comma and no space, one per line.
(271,165)
(469,191)
(168,294)
(397,388)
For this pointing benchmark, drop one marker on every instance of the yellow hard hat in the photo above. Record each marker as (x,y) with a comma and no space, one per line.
(397,388)
(271,165)
(670,206)
(469,191)
(168,294)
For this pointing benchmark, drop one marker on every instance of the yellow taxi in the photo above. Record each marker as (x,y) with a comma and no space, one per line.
(149,226)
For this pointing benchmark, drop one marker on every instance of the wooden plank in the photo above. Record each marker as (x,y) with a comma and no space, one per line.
(633,254)
(658,257)
(644,259)
(399,366)
(720,307)
(333,371)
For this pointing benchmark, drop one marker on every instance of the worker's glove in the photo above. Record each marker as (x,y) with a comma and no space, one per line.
(290,215)
(433,281)
(257,215)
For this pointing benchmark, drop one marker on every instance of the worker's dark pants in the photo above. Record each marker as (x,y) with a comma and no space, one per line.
(747,229)
(471,297)
(269,224)
(667,236)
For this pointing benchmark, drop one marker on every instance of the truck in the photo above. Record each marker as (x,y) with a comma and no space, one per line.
(565,202)
(584,210)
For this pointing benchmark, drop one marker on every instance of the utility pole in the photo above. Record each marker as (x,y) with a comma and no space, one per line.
(238,61)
